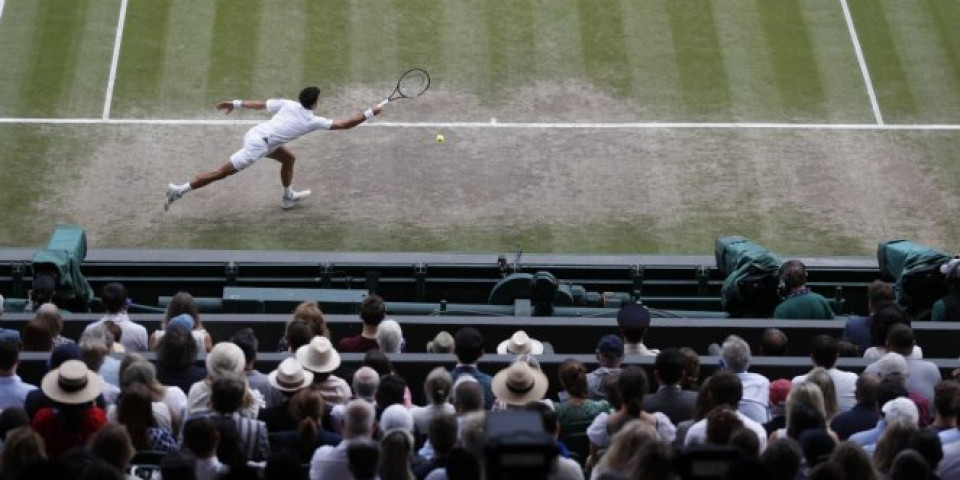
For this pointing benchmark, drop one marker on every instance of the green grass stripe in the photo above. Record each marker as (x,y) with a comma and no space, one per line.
(557,53)
(183,88)
(647,38)
(464,64)
(234,53)
(883,60)
(705,89)
(278,66)
(750,73)
(372,41)
(509,46)
(790,51)
(604,50)
(58,29)
(418,34)
(326,43)
(16,56)
(140,71)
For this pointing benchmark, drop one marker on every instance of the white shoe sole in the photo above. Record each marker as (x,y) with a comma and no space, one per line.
(288,203)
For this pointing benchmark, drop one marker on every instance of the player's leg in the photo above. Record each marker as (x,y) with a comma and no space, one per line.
(254,148)
(287,160)
(206,178)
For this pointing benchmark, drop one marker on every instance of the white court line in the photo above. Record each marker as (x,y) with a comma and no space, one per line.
(505,125)
(863,63)
(113,63)
(1,8)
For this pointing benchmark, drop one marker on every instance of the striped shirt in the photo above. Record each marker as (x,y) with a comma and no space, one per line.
(252,435)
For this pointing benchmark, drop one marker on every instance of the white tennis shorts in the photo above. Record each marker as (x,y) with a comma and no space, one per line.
(255,147)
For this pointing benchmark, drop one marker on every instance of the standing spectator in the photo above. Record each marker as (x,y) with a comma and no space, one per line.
(50,314)
(390,336)
(634,321)
(609,354)
(437,389)
(372,312)
(114,298)
(226,400)
(330,463)
(73,419)
(799,302)
(735,357)
(677,404)
(182,303)
(247,341)
(225,359)
(880,324)
(289,378)
(857,329)
(948,307)
(13,390)
(773,343)
(468,347)
(322,359)
(922,375)
(135,413)
(577,412)
(865,414)
(176,359)
(823,353)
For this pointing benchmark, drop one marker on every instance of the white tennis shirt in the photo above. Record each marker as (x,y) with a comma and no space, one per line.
(290,121)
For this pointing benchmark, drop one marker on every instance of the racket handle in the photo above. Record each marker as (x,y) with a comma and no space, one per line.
(384,102)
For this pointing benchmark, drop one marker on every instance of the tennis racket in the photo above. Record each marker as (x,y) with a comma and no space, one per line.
(412,84)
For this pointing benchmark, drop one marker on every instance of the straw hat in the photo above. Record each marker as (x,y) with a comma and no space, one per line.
(72,384)
(319,355)
(519,384)
(290,376)
(520,343)
(442,343)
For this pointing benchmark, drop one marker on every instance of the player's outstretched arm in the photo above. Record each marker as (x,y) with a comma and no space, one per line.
(348,123)
(229,105)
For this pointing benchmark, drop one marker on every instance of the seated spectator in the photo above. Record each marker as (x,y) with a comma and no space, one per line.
(577,412)
(306,408)
(946,398)
(805,410)
(909,465)
(735,357)
(114,298)
(201,438)
(520,344)
(632,385)
(224,359)
(113,445)
(893,367)
(308,314)
(519,384)
(396,417)
(437,389)
(922,375)
(745,440)
(724,388)
(609,353)
(562,467)
(73,419)
(42,290)
(865,414)
(898,410)
(854,462)
(396,448)
(13,390)
(363,457)
(95,352)
(634,321)
(181,466)
(331,462)
(468,347)
(389,392)
(857,329)
(288,379)
(248,343)
(390,336)
(442,434)
(379,361)
(886,317)
(372,312)
(226,400)
(948,307)
(773,343)
(782,459)
(322,359)
(182,303)
(691,377)
(442,343)
(819,377)
(779,390)
(824,353)
(722,423)
(620,458)
(176,357)
(50,314)
(894,440)
(799,302)
(22,449)
(11,418)
(817,446)
(677,404)
(36,336)
(135,413)
(36,399)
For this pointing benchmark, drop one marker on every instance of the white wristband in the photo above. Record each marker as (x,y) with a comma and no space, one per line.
(238,104)
(368,113)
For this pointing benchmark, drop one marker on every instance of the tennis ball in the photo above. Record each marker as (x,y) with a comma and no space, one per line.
(440,138)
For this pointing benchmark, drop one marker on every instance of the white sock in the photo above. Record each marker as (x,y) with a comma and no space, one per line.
(288,192)
(184,188)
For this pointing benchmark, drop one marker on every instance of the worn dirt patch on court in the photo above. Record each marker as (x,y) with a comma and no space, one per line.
(565,190)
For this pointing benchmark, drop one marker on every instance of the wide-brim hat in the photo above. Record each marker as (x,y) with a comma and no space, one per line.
(319,355)
(72,384)
(520,343)
(290,376)
(519,384)
(442,343)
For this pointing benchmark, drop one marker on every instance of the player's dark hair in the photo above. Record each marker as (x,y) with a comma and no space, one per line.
(309,96)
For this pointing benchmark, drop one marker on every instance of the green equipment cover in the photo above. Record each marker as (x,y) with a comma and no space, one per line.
(62,258)
(750,277)
(915,271)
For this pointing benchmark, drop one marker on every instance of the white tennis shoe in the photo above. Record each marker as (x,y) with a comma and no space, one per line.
(173,194)
(290,200)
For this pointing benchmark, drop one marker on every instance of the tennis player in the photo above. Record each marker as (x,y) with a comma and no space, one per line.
(290,121)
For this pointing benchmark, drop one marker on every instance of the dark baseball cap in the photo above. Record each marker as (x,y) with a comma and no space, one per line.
(633,317)
(610,346)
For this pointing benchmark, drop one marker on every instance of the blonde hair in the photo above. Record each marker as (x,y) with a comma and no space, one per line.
(808,393)
(622,455)
(310,313)
(819,377)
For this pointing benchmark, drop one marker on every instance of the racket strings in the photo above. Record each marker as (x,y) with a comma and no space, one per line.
(413,83)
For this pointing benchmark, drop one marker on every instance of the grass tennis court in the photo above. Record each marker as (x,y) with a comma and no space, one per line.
(572,125)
